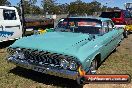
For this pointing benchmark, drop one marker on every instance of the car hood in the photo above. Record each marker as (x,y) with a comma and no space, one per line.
(58,42)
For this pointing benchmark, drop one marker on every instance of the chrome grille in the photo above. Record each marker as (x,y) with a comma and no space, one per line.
(41,57)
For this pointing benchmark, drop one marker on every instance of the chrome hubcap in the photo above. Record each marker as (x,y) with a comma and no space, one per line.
(93,67)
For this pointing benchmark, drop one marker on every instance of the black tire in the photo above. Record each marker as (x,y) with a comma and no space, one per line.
(81,81)
(128,32)
(125,34)
(93,67)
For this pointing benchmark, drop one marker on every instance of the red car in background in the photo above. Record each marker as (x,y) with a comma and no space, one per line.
(121,18)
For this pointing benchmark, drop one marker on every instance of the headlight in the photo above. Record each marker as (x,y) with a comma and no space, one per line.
(11,51)
(18,50)
(20,54)
(64,64)
(73,66)
(15,53)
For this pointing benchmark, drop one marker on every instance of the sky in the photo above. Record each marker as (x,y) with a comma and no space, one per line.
(109,3)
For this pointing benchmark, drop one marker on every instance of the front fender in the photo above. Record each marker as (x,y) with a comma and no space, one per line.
(88,61)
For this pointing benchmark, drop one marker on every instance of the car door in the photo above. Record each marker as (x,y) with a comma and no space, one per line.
(11,25)
(115,35)
(108,39)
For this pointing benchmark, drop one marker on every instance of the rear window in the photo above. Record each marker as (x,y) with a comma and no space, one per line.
(111,14)
(9,14)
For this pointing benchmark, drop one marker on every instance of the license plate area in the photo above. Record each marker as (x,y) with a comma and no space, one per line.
(38,69)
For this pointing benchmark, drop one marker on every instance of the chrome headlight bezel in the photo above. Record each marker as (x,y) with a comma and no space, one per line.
(18,50)
(11,51)
(64,64)
(16,53)
(20,55)
(73,66)
(69,63)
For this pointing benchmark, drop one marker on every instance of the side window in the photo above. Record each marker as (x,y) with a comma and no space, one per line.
(9,14)
(110,25)
(105,25)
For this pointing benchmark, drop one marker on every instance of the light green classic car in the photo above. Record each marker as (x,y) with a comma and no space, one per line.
(76,47)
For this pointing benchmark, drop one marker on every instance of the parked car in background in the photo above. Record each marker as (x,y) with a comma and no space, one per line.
(10,24)
(121,18)
(129,28)
(11,28)
(76,47)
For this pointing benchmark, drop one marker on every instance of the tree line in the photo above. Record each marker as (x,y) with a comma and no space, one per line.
(52,7)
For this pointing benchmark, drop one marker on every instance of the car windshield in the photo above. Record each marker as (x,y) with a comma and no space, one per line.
(83,25)
(110,14)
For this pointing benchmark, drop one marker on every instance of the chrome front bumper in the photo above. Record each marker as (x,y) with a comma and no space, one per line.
(46,70)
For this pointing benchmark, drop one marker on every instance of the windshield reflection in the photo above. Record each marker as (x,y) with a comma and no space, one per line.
(83,25)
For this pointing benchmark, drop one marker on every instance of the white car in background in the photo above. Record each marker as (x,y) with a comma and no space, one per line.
(10,24)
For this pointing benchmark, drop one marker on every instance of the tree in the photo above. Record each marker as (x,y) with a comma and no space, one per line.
(94,7)
(48,6)
(26,7)
(30,7)
(32,4)
(36,9)
(104,8)
(63,8)
(81,8)
(77,7)
(4,2)
(116,8)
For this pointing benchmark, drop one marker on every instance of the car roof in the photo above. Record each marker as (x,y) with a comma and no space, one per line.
(116,11)
(92,17)
(8,7)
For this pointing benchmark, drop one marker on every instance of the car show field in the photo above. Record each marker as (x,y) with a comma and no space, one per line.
(70,44)
(118,62)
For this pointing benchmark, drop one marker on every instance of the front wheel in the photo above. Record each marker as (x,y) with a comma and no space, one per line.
(92,70)
(93,67)
(125,34)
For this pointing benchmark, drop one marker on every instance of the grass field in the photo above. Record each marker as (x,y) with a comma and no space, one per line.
(119,62)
